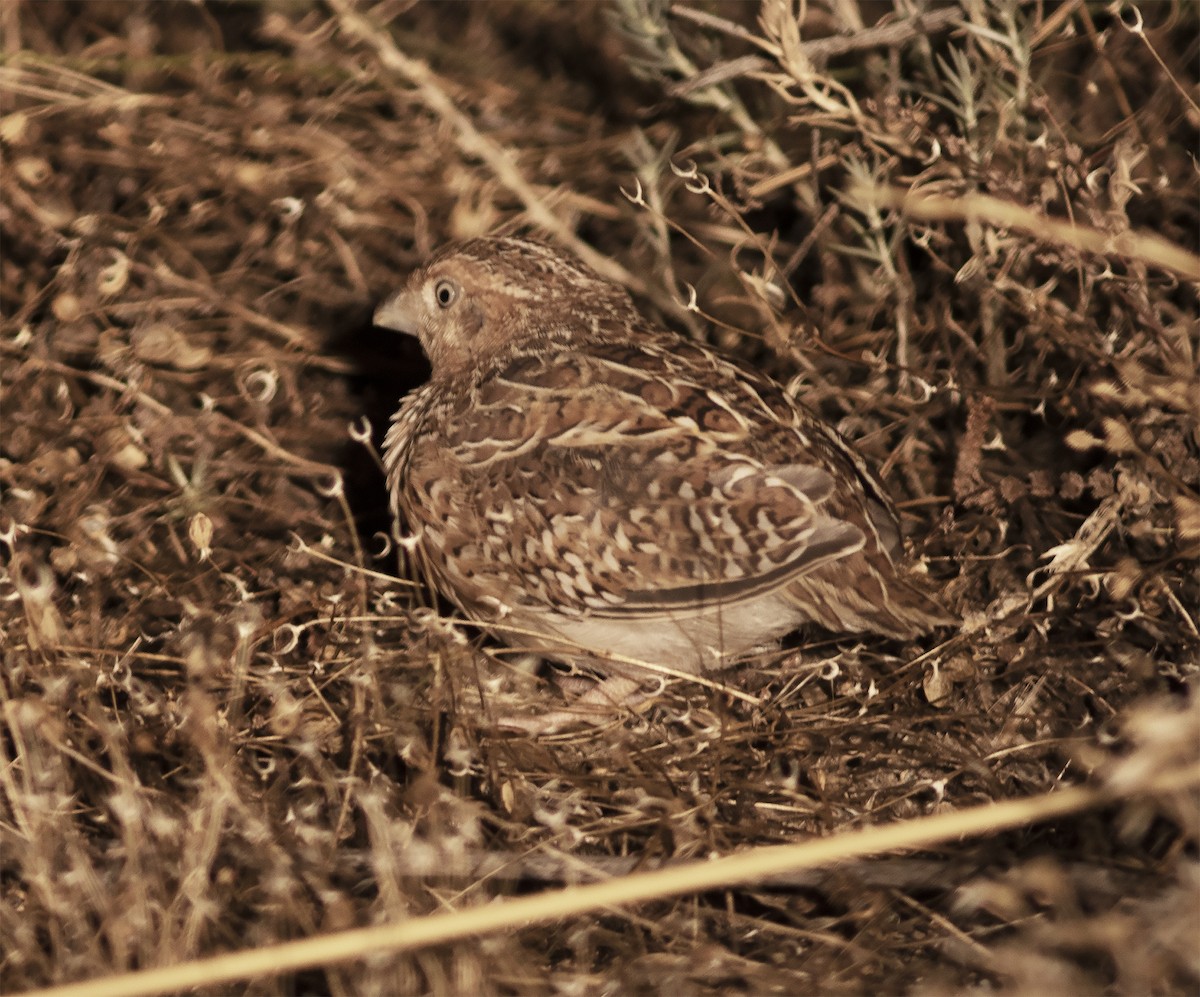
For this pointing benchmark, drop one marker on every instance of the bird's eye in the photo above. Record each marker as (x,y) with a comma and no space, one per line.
(445,292)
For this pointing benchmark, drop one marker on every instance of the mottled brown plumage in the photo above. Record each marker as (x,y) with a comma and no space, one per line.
(615,489)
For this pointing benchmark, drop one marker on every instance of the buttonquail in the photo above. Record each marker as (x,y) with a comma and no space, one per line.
(600,489)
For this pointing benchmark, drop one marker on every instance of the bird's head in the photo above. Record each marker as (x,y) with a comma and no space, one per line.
(476,300)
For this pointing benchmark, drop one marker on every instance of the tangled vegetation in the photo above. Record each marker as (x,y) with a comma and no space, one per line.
(965,232)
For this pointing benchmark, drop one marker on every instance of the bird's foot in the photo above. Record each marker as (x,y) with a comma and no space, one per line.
(601,704)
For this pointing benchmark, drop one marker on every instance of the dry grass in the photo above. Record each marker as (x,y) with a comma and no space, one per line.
(970,239)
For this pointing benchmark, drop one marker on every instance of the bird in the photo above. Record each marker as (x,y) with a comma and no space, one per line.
(601,490)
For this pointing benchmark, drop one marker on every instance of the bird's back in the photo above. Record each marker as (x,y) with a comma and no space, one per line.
(644,480)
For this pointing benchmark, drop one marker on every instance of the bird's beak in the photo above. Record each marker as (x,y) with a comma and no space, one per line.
(398,313)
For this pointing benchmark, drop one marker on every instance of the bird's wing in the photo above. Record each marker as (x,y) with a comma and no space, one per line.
(633,481)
